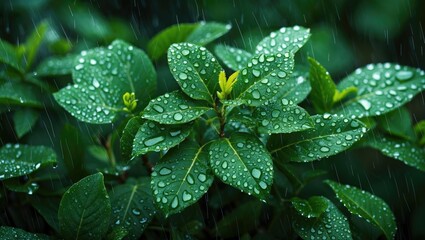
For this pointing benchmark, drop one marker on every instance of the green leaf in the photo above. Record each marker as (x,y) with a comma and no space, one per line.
(314,207)
(56,66)
(73,151)
(198,33)
(18,160)
(332,134)
(282,116)
(20,94)
(85,209)
(331,224)
(132,207)
(48,209)
(195,69)
(20,185)
(101,77)
(174,108)
(181,177)
(235,161)
(234,58)
(419,129)
(367,206)
(10,233)
(397,123)
(285,40)
(8,55)
(263,78)
(382,88)
(400,149)
(323,87)
(128,135)
(152,136)
(24,120)
(34,41)
(296,87)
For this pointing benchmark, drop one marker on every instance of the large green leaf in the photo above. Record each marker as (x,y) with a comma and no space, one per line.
(381,88)
(128,135)
(296,88)
(132,207)
(367,206)
(198,33)
(152,136)
(286,39)
(24,120)
(56,66)
(243,162)
(10,233)
(331,224)
(282,116)
(85,209)
(101,77)
(18,160)
(262,78)
(234,58)
(174,108)
(312,208)
(195,69)
(397,123)
(323,87)
(21,94)
(332,134)
(400,149)
(34,41)
(181,177)
(8,55)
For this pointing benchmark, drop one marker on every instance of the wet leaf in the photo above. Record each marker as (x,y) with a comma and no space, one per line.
(243,162)
(152,136)
(34,41)
(285,40)
(314,207)
(195,69)
(10,233)
(85,209)
(56,66)
(24,120)
(332,134)
(323,87)
(8,56)
(174,108)
(198,33)
(382,88)
(18,160)
(181,177)
(17,185)
(132,207)
(128,135)
(282,116)
(331,224)
(234,58)
(296,88)
(20,94)
(262,78)
(101,77)
(367,206)
(397,123)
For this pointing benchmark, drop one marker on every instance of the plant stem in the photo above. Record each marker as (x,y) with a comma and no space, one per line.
(221,114)
(110,152)
(147,164)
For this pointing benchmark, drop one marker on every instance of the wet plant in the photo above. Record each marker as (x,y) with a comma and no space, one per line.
(241,129)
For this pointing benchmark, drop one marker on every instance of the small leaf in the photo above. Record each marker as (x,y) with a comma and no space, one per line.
(235,161)
(132,207)
(34,41)
(85,209)
(18,160)
(332,134)
(174,108)
(397,123)
(198,33)
(285,40)
(101,77)
(24,120)
(282,116)
(367,206)
(56,66)
(195,69)
(331,224)
(296,87)
(314,207)
(128,135)
(341,95)
(382,88)
(400,149)
(10,233)
(8,56)
(234,58)
(181,177)
(156,137)
(20,94)
(323,87)
(263,78)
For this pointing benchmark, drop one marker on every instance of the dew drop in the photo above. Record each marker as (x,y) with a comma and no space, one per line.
(158,108)
(136,212)
(256,173)
(202,177)
(404,75)
(178,116)
(186,196)
(256,94)
(324,149)
(153,141)
(175,202)
(164,171)
(365,104)
(183,76)
(185,52)
(256,73)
